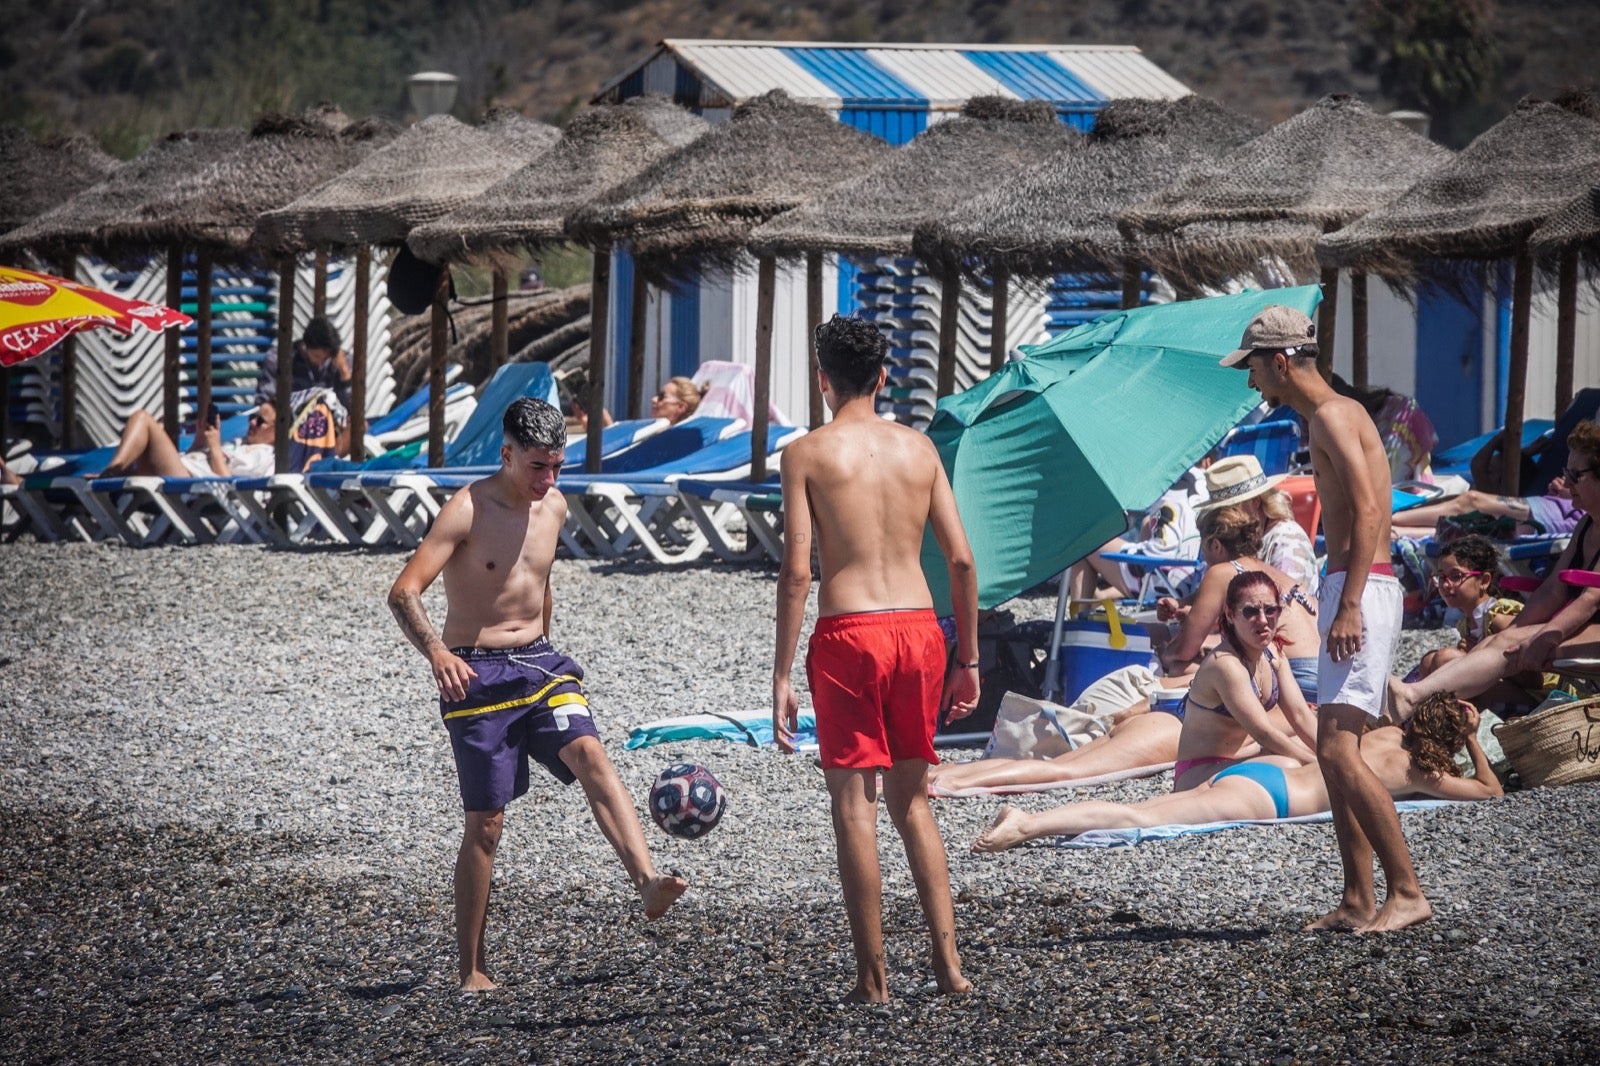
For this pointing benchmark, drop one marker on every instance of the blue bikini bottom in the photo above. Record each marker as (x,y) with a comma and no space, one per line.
(1266,775)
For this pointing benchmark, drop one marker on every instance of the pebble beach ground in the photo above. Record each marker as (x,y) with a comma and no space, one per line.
(228,817)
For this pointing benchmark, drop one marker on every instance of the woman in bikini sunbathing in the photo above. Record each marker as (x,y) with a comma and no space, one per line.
(1416,761)
(1140,737)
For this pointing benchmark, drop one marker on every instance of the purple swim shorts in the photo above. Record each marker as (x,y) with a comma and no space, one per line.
(525,702)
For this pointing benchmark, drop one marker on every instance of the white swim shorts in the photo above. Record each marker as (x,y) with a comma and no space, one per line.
(1363,679)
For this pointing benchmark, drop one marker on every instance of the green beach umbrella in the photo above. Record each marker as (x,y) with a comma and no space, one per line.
(1048,454)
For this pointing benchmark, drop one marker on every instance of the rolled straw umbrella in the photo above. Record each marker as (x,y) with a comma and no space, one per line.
(213,210)
(878,213)
(1324,168)
(80,225)
(1060,214)
(694,209)
(427,171)
(39,175)
(527,210)
(1480,208)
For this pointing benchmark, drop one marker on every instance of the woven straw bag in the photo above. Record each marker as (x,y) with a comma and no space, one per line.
(1557,746)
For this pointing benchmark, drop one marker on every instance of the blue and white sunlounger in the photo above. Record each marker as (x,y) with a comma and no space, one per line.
(723,508)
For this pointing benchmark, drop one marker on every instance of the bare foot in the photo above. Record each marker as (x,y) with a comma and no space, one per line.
(1401,704)
(660,893)
(953,984)
(1398,913)
(1342,919)
(858,994)
(1006,831)
(478,981)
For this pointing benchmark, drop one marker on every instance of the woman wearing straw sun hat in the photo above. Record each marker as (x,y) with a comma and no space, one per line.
(1240,480)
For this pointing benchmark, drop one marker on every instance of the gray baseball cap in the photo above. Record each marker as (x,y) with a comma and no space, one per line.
(1276,328)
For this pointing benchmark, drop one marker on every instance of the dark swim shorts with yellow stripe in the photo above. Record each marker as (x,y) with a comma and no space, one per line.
(525,702)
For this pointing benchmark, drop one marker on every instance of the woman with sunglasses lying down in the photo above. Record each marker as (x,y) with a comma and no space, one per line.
(1416,761)
(1242,701)
(146,449)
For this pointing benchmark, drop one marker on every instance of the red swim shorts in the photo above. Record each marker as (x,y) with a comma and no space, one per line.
(876,679)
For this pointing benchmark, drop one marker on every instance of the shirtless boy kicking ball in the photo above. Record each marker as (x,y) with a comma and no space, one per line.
(876,662)
(505,693)
(1359,615)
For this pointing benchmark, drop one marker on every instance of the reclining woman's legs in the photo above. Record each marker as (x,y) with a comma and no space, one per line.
(145,449)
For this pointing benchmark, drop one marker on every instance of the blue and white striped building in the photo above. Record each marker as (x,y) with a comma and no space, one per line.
(892,91)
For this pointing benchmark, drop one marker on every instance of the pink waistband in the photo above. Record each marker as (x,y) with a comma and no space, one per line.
(834,623)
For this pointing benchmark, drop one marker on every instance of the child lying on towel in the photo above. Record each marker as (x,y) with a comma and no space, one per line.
(1416,761)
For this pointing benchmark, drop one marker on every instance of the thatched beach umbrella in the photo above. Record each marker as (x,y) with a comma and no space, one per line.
(427,171)
(1567,238)
(40,175)
(527,210)
(878,212)
(1060,214)
(1482,207)
(82,223)
(43,174)
(1325,167)
(694,209)
(214,208)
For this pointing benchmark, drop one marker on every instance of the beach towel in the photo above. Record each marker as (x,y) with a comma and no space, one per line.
(753,728)
(939,792)
(315,433)
(1124,838)
(730,392)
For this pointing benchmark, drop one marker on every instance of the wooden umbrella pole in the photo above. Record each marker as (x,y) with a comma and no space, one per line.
(438,351)
(69,393)
(997,319)
(284,386)
(172,345)
(499,328)
(1566,328)
(1517,381)
(1327,316)
(599,320)
(813,320)
(358,355)
(1132,281)
(5,407)
(766,291)
(638,309)
(202,307)
(1358,328)
(319,285)
(949,309)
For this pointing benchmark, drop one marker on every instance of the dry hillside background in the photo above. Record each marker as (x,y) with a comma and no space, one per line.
(127,71)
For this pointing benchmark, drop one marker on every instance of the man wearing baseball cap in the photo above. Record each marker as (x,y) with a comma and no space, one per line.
(1359,614)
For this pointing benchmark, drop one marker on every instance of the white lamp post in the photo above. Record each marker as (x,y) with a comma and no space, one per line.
(432,92)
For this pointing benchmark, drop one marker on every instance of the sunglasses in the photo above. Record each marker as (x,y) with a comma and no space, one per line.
(1573,475)
(257,420)
(1455,577)
(1252,611)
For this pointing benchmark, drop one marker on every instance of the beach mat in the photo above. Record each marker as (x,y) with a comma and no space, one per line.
(1132,836)
(753,729)
(937,792)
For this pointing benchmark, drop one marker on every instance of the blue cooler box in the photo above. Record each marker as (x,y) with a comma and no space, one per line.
(1087,654)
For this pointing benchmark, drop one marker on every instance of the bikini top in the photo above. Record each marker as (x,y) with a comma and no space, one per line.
(1269,703)
(1577,538)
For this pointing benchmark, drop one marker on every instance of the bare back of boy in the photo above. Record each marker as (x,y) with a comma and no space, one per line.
(870,487)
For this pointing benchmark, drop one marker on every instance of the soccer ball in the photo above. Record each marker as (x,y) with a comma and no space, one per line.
(687,801)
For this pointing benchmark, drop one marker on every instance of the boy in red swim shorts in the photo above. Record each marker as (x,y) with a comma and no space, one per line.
(876,662)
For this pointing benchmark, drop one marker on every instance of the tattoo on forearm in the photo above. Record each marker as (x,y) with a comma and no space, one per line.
(407,609)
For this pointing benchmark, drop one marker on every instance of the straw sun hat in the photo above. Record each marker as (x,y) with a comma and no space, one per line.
(1236,479)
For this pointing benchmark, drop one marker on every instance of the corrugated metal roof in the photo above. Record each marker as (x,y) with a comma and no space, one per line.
(937,77)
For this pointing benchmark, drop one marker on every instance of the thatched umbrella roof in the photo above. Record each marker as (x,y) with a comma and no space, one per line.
(78,222)
(1483,205)
(43,174)
(431,168)
(697,206)
(598,149)
(1323,168)
(1060,214)
(878,212)
(217,205)
(1574,227)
